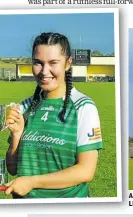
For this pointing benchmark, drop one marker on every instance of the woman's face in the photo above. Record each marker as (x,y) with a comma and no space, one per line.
(49,66)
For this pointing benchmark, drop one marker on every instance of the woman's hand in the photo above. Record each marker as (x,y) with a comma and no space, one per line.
(21,186)
(15,123)
(15,120)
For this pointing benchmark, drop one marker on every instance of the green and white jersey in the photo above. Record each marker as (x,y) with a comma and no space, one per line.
(48,145)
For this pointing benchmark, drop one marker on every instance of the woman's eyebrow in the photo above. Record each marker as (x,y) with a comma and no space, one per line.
(37,60)
(54,60)
(40,61)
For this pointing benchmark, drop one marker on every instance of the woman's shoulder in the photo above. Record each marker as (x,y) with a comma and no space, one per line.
(80,99)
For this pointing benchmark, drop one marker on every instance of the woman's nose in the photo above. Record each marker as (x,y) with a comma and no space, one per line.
(44,70)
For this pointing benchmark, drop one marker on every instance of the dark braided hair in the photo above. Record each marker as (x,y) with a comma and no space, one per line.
(35,102)
(52,39)
(68,78)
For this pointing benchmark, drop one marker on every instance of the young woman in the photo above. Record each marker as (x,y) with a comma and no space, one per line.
(55,141)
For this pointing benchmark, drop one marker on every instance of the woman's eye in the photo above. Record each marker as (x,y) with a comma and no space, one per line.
(36,62)
(53,63)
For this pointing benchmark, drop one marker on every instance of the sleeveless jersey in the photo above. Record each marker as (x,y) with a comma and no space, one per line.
(48,145)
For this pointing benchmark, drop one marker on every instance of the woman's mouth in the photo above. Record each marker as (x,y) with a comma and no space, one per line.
(46,80)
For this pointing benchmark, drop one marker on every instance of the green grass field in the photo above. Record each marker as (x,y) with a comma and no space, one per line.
(130,174)
(104,183)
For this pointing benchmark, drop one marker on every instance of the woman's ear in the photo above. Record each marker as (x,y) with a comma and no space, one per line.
(68,64)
